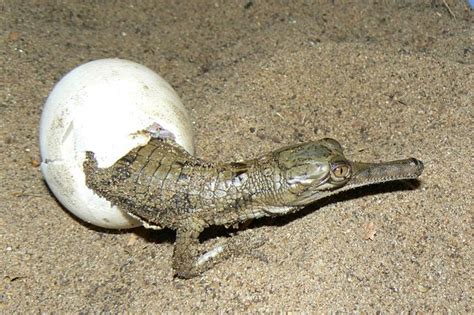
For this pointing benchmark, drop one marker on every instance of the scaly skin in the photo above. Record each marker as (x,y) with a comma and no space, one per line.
(164,186)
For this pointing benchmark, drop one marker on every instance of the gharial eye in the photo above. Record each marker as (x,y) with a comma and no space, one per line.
(341,170)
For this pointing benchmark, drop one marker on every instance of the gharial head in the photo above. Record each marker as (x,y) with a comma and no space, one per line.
(316,169)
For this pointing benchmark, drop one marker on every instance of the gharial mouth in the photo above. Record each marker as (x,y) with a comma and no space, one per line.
(370,173)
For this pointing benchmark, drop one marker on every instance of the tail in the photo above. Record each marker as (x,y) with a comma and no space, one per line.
(90,162)
(91,170)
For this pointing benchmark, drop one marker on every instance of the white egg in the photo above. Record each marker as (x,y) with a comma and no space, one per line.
(109,107)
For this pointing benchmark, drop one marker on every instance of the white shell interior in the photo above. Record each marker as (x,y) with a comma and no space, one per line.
(104,106)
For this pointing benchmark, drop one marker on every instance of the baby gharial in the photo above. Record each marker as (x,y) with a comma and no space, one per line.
(164,186)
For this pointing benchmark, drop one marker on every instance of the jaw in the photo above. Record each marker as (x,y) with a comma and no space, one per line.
(373,173)
(364,174)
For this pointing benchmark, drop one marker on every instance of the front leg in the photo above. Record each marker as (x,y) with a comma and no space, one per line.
(190,260)
(186,249)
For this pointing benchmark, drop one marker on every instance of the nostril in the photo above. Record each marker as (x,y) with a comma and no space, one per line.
(418,164)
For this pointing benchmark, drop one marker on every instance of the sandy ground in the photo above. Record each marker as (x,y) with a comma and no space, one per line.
(387,80)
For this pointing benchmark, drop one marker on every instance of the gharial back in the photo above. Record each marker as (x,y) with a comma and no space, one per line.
(161,184)
(157,181)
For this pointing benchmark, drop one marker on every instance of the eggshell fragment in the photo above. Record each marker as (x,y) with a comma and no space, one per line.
(109,107)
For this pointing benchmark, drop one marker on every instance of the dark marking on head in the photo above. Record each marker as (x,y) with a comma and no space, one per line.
(180,163)
(239,172)
(183,176)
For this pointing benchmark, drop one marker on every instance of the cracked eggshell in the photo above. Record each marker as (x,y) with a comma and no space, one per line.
(109,107)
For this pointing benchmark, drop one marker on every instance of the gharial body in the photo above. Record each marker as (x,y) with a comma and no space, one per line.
(164,186)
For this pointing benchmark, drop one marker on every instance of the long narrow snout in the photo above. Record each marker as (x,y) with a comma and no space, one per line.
(370,173)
